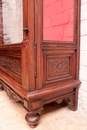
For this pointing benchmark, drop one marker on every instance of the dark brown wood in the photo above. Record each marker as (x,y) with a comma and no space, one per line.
(37,72)
(28,63)
(32,119)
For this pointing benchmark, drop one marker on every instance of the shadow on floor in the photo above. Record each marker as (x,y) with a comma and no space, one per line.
(51,107)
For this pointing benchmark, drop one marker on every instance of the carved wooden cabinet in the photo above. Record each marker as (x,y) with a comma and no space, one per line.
(44,67)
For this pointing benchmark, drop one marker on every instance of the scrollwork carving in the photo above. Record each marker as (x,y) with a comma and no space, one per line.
(11,94)
(11,64)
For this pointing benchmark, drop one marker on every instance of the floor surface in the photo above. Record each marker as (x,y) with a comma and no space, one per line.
(53,117)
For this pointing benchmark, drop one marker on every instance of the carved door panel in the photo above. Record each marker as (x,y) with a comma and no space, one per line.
(56,31)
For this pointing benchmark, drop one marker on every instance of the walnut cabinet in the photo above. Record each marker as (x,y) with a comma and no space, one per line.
(44,67)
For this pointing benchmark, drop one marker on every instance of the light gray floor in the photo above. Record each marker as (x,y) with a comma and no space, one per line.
(54,117)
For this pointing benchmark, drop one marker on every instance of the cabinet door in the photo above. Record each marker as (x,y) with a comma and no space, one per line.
(57,41)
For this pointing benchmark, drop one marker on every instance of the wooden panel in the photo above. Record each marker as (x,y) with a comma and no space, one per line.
(10,61)
(57,66)
(11,65)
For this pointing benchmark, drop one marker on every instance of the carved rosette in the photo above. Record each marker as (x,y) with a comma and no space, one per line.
(58,66)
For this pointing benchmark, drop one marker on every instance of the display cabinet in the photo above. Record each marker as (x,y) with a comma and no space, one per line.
(44,67)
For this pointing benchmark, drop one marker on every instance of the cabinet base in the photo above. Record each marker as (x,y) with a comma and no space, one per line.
(34,104)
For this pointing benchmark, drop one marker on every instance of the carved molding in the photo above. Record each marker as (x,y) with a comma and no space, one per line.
(25,18)
(11,64)
(58,66)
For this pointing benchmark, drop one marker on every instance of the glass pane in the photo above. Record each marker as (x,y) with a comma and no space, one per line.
(58,20)
(12,21)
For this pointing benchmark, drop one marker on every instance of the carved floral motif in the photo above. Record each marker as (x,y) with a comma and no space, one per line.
(58,66)
(11,64)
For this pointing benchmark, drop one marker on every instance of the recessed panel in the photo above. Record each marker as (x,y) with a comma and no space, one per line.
(58,66)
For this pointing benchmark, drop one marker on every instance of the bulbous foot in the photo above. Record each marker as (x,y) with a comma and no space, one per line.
(1,86)
(32,119)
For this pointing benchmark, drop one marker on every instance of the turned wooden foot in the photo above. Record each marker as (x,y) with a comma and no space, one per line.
(1,86)
(32,119)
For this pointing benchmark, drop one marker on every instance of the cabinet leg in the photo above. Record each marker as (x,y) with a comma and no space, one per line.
(1,86)
(32,119)
(73,101)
